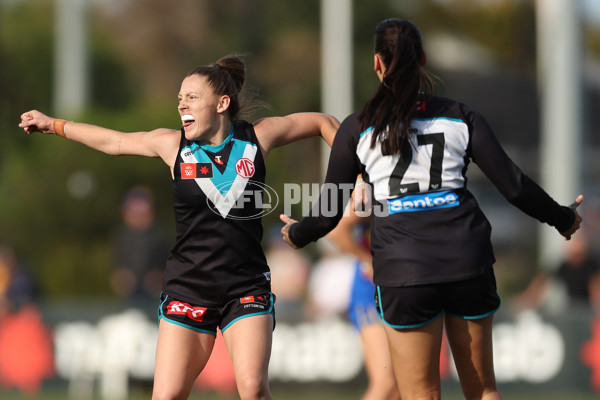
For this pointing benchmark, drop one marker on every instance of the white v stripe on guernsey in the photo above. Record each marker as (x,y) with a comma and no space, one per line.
(222,203)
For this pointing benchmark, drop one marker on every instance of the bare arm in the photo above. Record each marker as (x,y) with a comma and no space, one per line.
(278,131)
(161,143)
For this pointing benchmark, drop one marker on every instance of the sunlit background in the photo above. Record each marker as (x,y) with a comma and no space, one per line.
(71,326)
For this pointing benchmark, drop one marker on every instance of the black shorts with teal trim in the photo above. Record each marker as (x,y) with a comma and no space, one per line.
(414,306)
(206,319)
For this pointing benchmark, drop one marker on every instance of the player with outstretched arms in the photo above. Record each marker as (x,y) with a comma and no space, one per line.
(216,275)
(430,241)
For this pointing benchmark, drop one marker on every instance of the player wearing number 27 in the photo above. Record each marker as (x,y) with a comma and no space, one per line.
(216,275)
(432,253)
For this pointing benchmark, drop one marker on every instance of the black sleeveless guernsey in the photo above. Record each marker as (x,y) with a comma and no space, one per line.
(218,255)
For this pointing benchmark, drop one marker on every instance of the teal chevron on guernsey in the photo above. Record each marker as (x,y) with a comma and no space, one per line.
(224,180)
(223,189)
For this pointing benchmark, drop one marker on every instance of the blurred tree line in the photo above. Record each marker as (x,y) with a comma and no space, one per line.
(59,201)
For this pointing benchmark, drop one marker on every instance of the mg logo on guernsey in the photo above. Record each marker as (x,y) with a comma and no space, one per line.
(423,201)
(245,168)
(180,308)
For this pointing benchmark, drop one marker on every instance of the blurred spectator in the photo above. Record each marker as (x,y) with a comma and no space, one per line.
(140,249)
(576,283)
(580,273)
(330,282)
(289,276)
(16,285)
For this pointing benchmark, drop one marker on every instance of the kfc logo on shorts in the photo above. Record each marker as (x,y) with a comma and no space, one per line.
(245,168)
(247,299)
(180,308)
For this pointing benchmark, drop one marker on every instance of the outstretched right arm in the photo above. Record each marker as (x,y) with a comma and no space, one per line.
(161,143)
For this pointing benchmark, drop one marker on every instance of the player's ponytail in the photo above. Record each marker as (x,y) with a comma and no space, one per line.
(227,77)
(399,45)
(236,69)
(233,71)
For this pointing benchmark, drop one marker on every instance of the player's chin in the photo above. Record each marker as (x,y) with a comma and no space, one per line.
(190,133)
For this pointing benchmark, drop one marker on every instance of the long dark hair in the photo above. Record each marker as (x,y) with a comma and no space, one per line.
(226,77)
(399,44)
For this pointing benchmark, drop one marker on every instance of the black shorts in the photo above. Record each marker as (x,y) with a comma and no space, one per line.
(207,318)
(413,306)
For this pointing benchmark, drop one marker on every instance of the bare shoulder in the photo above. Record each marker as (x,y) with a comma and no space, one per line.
(265,125)
(164,136)
(165,133)
(273,128)
(268,132)
(165,143)
(268,123)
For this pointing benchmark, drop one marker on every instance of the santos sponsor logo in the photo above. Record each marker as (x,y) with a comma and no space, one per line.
(422,202)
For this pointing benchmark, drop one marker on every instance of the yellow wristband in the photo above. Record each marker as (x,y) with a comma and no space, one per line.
(59,127)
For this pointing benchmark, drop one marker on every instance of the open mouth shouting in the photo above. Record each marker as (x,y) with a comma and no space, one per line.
(187,120)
